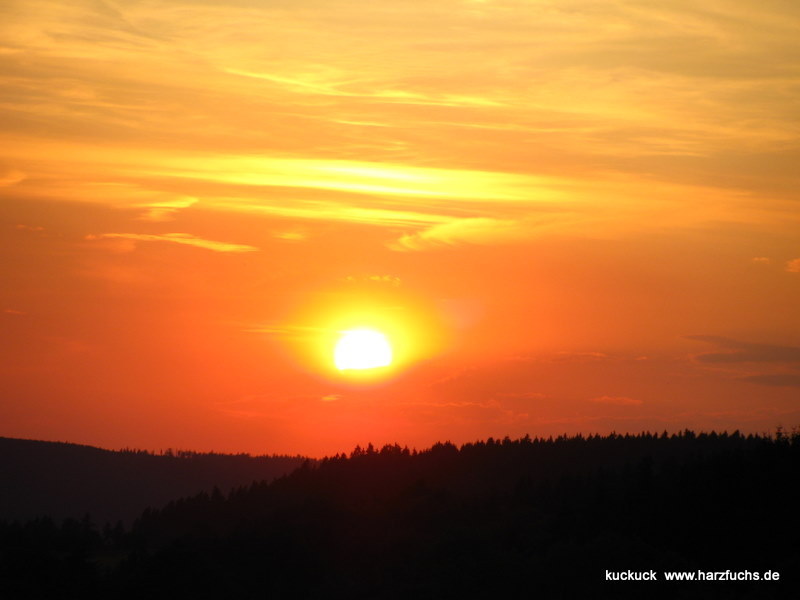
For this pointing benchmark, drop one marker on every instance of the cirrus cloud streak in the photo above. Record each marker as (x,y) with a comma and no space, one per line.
(176,238)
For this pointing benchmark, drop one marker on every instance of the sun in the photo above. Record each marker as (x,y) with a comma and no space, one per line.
(360,349)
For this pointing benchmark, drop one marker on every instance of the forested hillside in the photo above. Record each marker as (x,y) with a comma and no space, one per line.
(532,518)
(63,480)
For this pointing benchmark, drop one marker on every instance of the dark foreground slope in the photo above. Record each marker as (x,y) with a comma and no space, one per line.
(525,518)
(62,480)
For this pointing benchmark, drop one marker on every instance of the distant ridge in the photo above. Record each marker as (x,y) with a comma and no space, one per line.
(529,518)
(61,480)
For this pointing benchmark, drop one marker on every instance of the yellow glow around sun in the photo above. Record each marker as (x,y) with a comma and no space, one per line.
(362,349)
(367,331)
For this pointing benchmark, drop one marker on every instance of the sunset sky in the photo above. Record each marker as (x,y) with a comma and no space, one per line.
(566,216)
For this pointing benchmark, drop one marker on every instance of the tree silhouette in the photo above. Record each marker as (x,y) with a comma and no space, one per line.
(532,516)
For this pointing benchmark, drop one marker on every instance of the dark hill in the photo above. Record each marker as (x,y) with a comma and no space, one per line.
(62,480)
(528,518)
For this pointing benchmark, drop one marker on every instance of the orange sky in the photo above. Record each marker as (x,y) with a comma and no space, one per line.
(567,215)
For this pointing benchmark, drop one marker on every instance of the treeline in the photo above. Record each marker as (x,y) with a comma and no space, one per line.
(532,517)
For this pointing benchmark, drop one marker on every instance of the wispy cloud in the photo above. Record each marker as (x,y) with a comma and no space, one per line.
(793,266)
(461,231)
(777,379)
(290,236)
(741,358)
(10,178)
(352,89)
(177,238)
(165,210)
(289,330)
(472,126)
(617,400)
(579,356)
(743,352)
